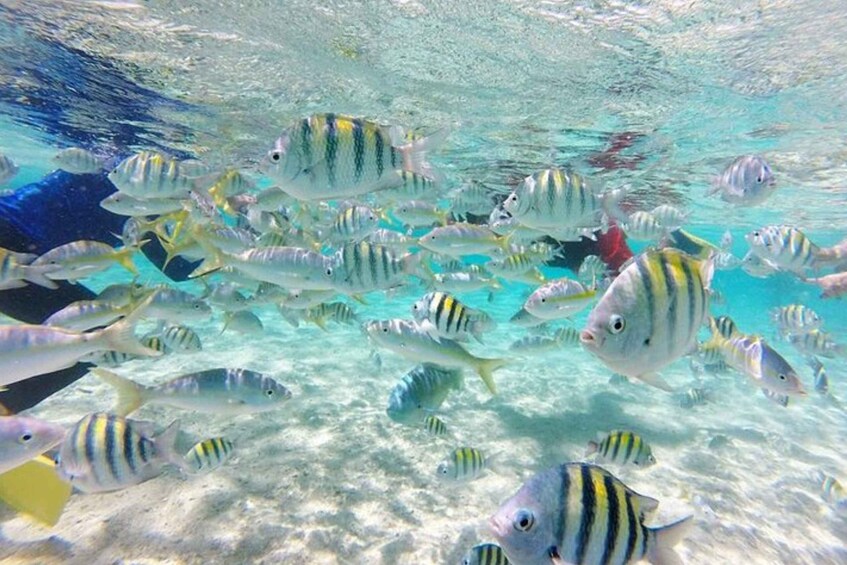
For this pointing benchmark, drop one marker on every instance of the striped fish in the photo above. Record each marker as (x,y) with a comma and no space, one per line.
(291,267)
(87,314)
(330,156)
(650,314)
(78,161)
(747,181)
(148,174)
(555,199)
(796,317)
(784,247)
(208,455)
(421,391)
(723,326)
(485,554)
(443,316)
(582,514)
(559,299)
(355,222)
(181,338)
(767,369)
(670,217)
(364,267)
(413,185)
(337,312)
(623,448)
(643,226)
(693,397)
(82,258)
(463,464)
(816,342)
(821,379)
(104,452)
(434,426)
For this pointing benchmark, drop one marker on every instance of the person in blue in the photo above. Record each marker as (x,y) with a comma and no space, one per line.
(60,208)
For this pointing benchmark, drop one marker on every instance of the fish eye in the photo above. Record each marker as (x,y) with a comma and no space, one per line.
(524,520)
(616,324)
(275,156)
(759,179)
(385,330)
(269,392)
(25,437)
(756,234)
(782,377)
(329,271)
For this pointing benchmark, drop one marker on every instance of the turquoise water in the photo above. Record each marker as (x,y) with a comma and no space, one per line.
(329,478)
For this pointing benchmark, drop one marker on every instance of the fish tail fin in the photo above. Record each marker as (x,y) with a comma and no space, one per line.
(612,204)
(35,489)
(37,276)
(210,264)
(593,446)
(131,395)
(166,447)
(124,259)
(664,540)
(414,154)
(228,316)
(120,336)
(653,379)
(486,369)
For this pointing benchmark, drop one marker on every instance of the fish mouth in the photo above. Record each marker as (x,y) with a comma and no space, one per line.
(499,527)
(589,340)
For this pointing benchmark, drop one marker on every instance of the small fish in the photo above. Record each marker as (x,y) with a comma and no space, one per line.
(364,267)
(418,213)
(463,464)
(208,455)
(669,217)
(767,369)
(796,318)
(816,342)
(434,426)
(456,240)
(406,339)
(79,259)
(152,175)
(524,319)
(643,226)
(821,380)
(29,350)
(304,299)
(549,520)
(23,438)
(757,267)
(443,316)
(231,182)
(485,554)
(784,247)
(422,391)
(243,321)
(181,338)
(623,448)
(355,223)
(290,267)
(8,169)
(747,181)
(413,185)
(87,314)
(559,299)
(331,156)
(650,314)
(833,491)
(104,452)
(693,397)
(337,312)
(468,281)
(471,198)
(226,296)
(219,391)
(16,271)
(591,270)
(723,326)
(175,305)
(78,161)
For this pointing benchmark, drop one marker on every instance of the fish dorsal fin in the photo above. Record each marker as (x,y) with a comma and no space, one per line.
(643,504)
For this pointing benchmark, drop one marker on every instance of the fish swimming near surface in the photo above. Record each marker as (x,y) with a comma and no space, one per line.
(650,314)
(747,181)
(580,513)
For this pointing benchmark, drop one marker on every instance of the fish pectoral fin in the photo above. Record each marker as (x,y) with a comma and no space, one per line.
(653,379)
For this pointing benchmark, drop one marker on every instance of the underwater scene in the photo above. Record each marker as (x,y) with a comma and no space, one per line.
(402,281)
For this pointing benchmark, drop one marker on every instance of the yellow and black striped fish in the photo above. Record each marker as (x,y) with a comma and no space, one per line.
(435,426)
(441,314)
(796,317)
(209,454)
(463,464)
(785,247)
(105,452)
(155,342)
(650,314)
(181,338)
(723,326)
(329,156)
(579,513)
(624,448)
(363,267)
(554,198)
(485,554)
(355,222)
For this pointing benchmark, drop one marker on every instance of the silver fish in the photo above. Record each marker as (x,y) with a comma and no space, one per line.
(747,181)
(78,161)
(23,438)
(422,391)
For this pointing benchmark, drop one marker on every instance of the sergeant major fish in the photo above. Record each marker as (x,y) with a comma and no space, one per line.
(422,391)
(622,447)
(747,181)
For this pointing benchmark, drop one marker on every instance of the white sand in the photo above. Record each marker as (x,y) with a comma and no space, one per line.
(330,479)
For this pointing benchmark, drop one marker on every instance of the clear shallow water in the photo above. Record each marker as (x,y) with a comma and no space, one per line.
(329,478)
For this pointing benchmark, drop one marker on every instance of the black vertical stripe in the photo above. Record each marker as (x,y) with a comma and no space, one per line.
(372,264)
(450,315)
(386,262)
(197,461)
(696,298)
(551,187)
(393,153)
(586,518)
(331,148)
(217,449)
(306,142)
(644,533)
(561,514)
(616,439)
(111,448)
(630,445)
(357,263)
(358,148)
(129,449)
(611,519)
(379,149)
(633,526)
(641,263)
(144,449)
(582,196)
(672,301)
(90,447)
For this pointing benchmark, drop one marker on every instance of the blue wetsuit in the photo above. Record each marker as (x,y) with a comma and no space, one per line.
(60,208)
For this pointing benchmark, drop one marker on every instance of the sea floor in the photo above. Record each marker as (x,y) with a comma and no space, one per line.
(329,478)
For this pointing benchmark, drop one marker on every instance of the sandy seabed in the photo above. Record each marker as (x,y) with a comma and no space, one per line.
(329,478)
